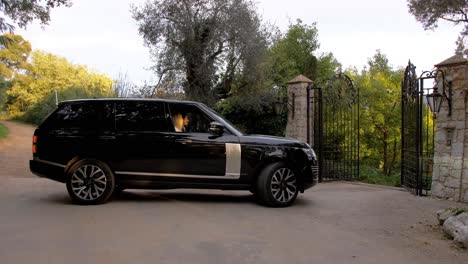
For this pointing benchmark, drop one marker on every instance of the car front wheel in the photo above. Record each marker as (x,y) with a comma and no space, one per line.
(90,182)
(277,185)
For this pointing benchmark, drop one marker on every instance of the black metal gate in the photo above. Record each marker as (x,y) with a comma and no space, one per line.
(333,114)
(417,129)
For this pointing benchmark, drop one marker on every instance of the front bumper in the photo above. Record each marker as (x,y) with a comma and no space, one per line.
(48,170)
(311,174)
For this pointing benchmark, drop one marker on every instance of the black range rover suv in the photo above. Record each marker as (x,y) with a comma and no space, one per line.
(102,146)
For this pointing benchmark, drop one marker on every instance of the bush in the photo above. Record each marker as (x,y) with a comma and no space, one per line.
(254,113)
(374,175)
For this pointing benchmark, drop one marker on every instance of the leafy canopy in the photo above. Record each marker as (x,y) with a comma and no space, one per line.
(23,12)
(429,12)
(202,44)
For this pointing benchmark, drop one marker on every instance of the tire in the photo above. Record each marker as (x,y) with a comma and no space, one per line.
(277,185)
(90,182)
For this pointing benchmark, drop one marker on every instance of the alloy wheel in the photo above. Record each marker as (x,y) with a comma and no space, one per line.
(283,185)
(88,182)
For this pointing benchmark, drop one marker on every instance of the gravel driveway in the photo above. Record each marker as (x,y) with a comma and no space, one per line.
(331,223)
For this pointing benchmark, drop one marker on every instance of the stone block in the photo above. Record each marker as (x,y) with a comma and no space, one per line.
(452,182)
(451,225)
(461,235)
(457,149)
(465,174)
(463,217)
(465,196)
(436,173)
(443,215)
(437,189)
(457,163)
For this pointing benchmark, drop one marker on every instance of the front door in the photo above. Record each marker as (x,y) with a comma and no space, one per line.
(195,152)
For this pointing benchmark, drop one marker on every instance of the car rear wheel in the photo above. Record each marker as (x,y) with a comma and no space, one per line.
(277,185)
(90,182)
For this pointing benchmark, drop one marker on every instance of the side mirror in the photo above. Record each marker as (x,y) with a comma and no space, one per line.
(216,129)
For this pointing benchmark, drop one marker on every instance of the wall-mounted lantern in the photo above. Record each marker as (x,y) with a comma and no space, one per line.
(280,103)
(440,92)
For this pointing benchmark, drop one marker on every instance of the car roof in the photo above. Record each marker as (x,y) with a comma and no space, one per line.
(129,100)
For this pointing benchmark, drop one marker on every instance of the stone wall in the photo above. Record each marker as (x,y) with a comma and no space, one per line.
(450,170)
(297,120)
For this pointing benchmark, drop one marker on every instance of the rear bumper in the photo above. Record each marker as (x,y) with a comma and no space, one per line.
(46,169)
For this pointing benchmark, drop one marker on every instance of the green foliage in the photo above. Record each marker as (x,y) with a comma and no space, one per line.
(372,175)
(48,73)
(3,131)
(203,46)
(458,211)
(29,94)
(24,12)
(380,91)
(429,12)
(13,55)
(292,54)
(253,114)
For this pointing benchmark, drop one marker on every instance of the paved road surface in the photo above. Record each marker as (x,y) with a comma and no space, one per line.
(332,223)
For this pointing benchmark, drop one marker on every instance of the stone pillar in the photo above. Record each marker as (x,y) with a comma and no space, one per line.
(450,171)
(297,118)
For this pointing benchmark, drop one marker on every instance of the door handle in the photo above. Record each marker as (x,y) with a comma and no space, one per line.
(183,141)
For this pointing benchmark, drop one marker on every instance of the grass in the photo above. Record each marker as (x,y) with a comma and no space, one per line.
(458,211)
(3,131)
(375,176)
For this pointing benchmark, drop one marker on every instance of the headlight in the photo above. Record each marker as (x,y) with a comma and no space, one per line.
(310,153)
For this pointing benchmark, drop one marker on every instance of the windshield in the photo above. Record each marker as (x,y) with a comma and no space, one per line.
(226,123)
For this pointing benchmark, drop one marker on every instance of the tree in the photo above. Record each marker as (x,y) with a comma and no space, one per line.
(380,92)
(202,45)
(23,12)
(429,12)
(293,53)
(47,73)
(13,55)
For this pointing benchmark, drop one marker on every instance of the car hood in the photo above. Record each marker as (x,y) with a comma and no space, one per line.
(272,141)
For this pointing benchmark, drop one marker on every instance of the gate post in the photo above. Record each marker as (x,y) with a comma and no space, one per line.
(297,117)
(450,170)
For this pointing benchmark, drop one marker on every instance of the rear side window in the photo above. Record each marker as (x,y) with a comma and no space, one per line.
(82,115)
(141,116)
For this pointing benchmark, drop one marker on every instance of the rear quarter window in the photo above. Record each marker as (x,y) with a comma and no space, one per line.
(82,115)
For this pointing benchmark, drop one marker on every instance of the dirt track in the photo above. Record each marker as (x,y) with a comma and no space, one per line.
(332,223)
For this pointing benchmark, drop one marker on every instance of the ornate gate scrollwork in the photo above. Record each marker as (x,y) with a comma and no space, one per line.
(333,112)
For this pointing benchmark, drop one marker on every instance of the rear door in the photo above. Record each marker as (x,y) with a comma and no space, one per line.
(141,131)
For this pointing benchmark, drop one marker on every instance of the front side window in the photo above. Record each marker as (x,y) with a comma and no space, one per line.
(141,116)
(189,119)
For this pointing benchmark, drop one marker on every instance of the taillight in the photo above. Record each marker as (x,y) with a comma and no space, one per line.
(34,145)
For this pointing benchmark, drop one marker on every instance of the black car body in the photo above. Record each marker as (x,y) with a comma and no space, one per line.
(135,143)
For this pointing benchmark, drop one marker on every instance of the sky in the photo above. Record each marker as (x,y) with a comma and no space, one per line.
(103,35)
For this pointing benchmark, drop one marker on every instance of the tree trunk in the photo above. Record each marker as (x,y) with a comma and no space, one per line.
(393,158)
